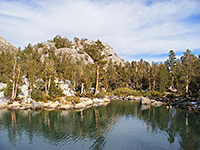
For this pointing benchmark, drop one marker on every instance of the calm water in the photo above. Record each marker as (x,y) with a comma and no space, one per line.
(119,125)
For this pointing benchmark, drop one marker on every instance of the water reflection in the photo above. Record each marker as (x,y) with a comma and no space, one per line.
(93,128)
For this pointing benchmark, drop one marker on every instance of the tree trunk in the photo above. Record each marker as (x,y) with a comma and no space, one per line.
(46,91)
(187,87)
(154,84)
(74,84)
(13,90)
(173,81)
(16,84)
(149,85)
(30,90)
(13,80)
(97,81)
(149,77)
(82,88)
(49,84)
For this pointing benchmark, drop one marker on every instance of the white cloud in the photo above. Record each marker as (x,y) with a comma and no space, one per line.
(130,27)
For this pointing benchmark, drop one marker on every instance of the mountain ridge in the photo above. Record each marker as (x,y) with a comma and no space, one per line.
(5,45)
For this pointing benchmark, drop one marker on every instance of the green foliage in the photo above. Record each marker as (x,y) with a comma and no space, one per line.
(126,92)
(46,97)
(55,91)
(8,90)
(154,94)
(37,94)
(41,67)
(101,94)
(89,94)
(61,42)
(72,98)
(5,66)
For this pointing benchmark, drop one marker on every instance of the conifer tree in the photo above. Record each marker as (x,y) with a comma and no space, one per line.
(95,52)
(171,62)
(188,66)
(33,66)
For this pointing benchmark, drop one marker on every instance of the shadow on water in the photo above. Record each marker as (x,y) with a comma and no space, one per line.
(89,129)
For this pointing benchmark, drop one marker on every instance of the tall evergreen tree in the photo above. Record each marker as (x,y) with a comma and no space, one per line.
(171,62)
(188,67)
(96,53)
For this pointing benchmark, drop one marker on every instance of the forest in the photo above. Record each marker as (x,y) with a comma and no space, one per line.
(176,77)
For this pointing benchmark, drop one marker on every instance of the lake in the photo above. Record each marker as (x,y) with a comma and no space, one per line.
(120,125)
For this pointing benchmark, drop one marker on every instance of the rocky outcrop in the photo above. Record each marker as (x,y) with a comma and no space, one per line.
(76,51)
(111,55)
(3,100)
(75,54)
(65,87)
(24,93)
(7,46)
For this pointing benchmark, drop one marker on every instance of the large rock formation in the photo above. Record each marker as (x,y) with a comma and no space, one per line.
(76,51)
(7,46)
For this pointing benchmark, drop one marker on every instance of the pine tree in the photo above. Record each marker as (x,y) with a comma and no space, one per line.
(17,73)
(49,73)
(171,62)
(188,67)
(33,66)
(95,52)
(163,77)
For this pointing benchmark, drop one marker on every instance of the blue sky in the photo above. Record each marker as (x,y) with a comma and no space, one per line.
(134,28)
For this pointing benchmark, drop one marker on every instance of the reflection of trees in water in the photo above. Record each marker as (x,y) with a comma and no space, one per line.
(59,125)
(95,123)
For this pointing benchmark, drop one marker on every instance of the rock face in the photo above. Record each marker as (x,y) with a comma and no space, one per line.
(25,90)
(65,87)
(7,46)
(76,51)
(110,54)
(3,100)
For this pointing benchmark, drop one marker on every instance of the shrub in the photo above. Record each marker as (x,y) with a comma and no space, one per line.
(46,97)
(10,103)
(101,94)
(55,91)
(126,92)
(154,94)
(73,98)
(36,94)
(8,90)
(89,94)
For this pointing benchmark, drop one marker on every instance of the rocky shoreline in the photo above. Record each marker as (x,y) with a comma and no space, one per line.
(50,105)
(190,104)
(183,103)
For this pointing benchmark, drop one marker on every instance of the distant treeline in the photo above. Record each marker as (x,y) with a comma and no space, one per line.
(42,68)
